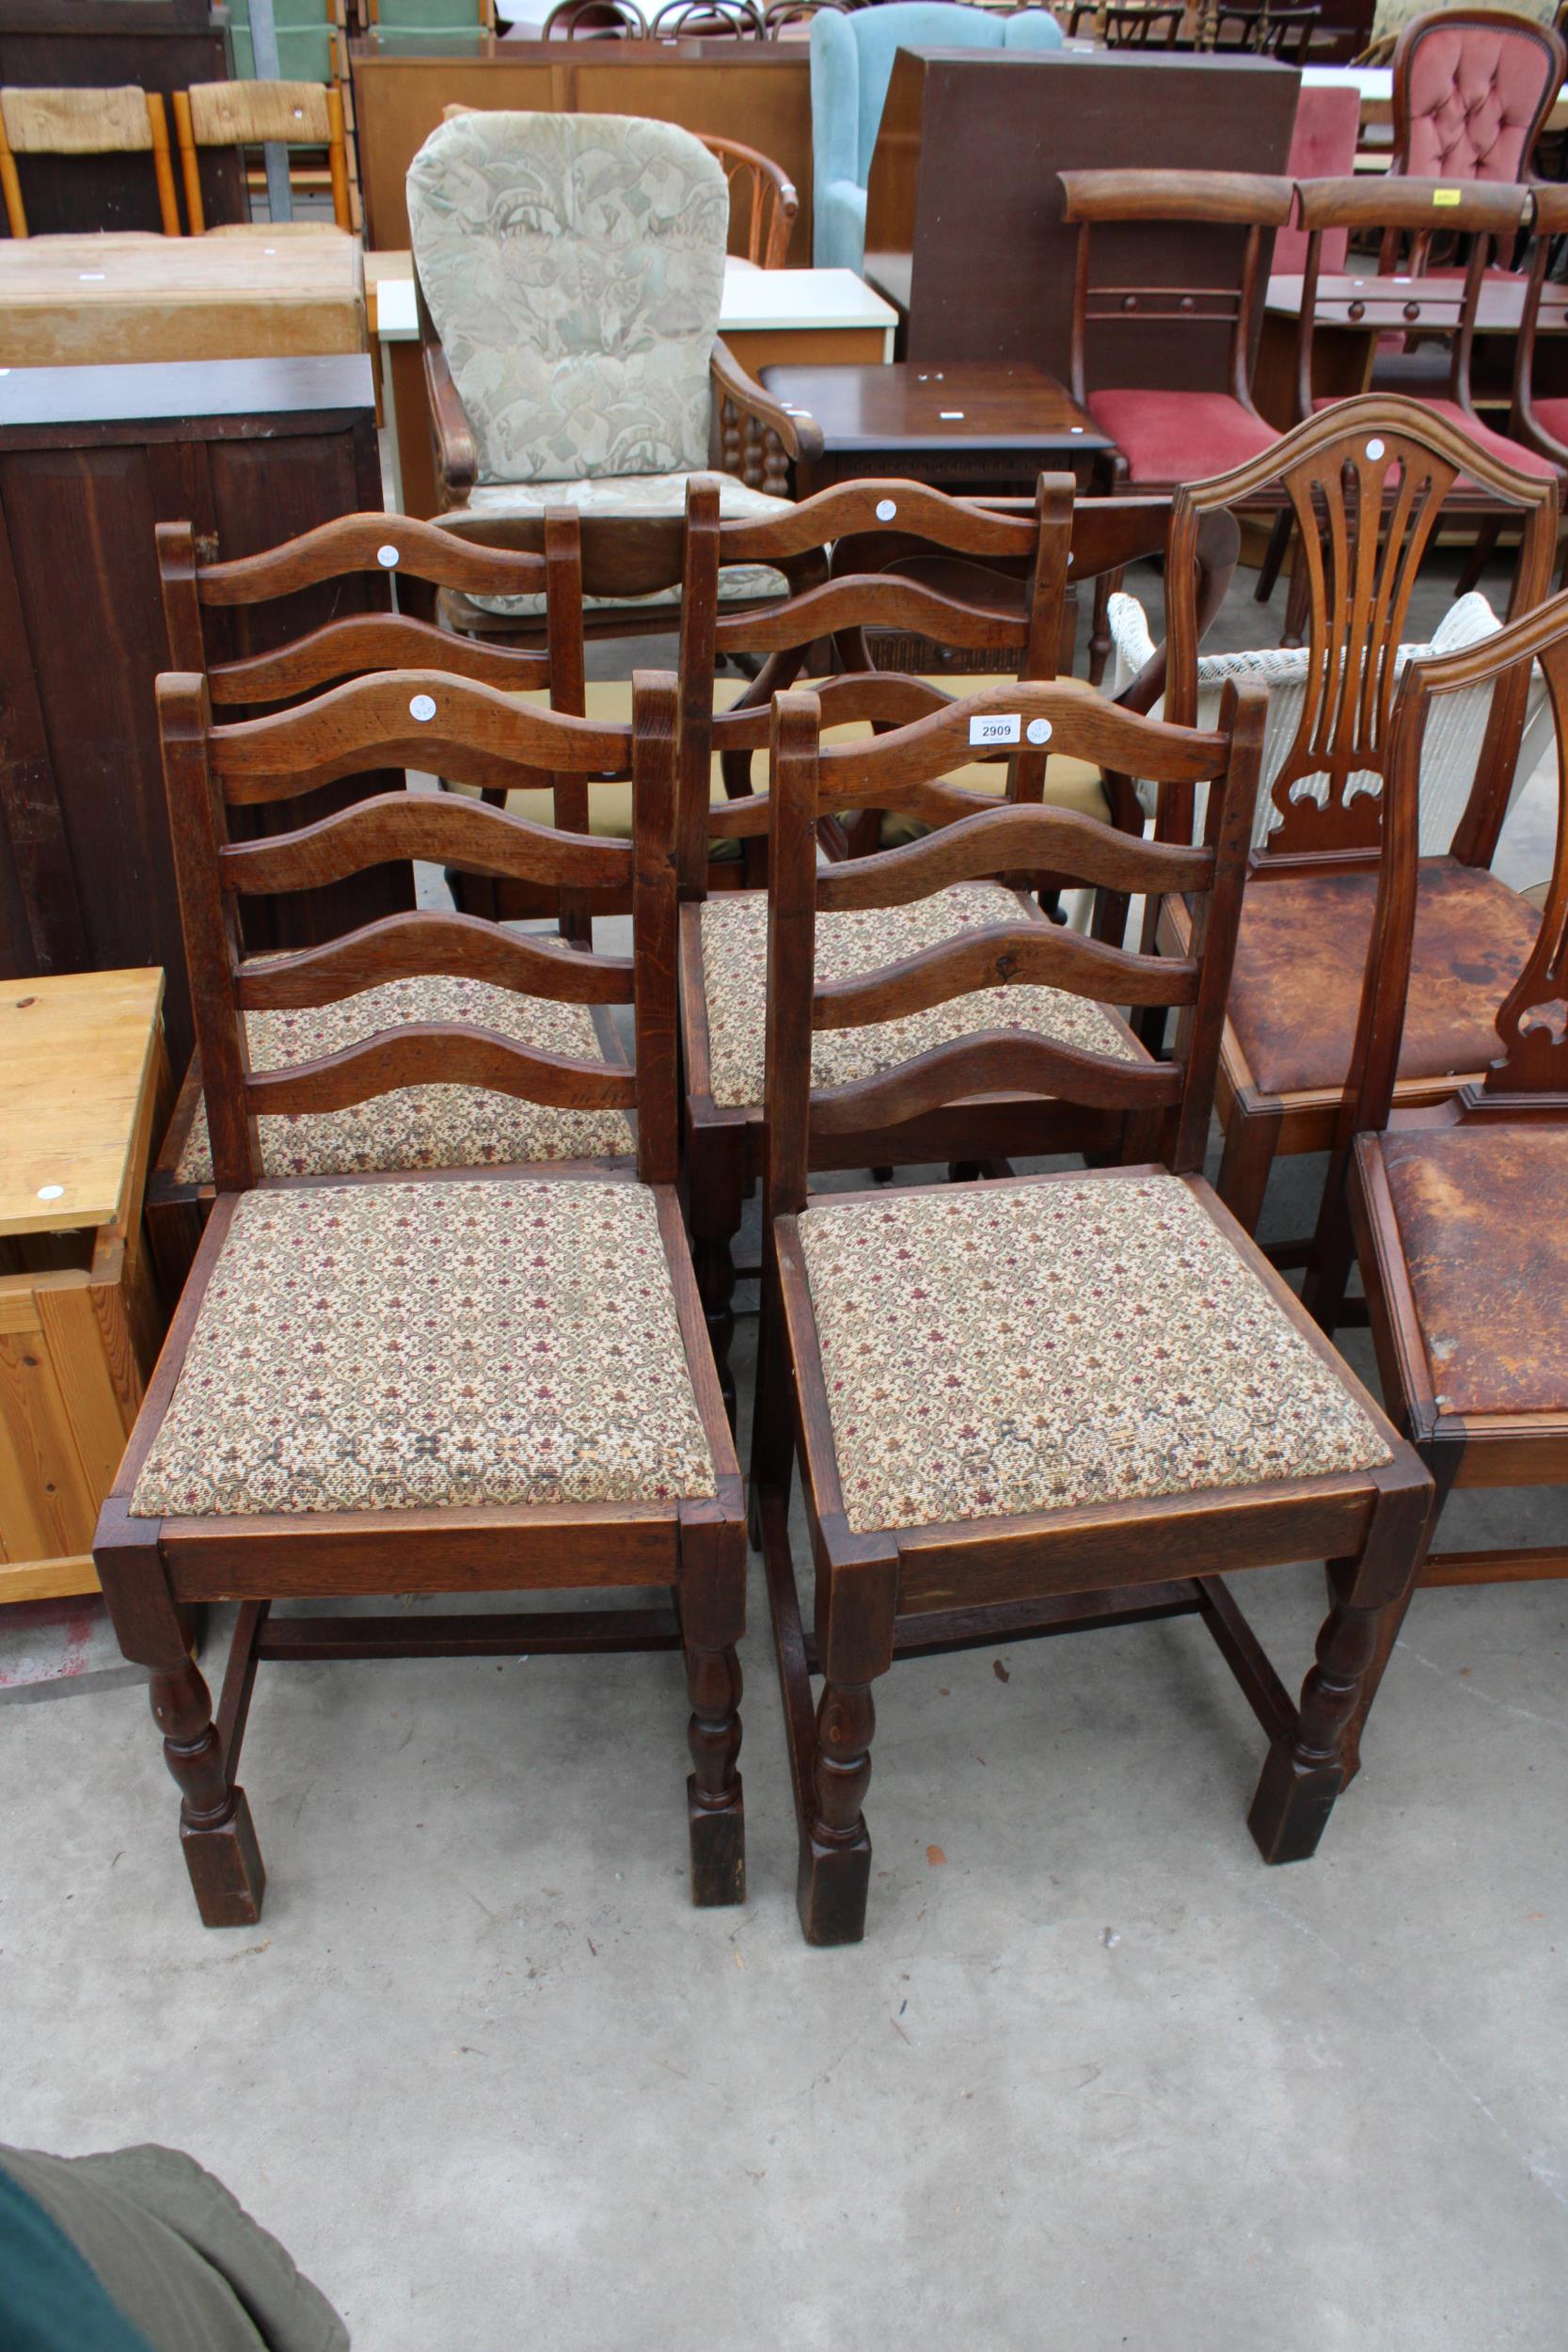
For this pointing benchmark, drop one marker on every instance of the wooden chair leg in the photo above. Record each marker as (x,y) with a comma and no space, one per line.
(1443,1462)
(1250,1143)
(216,1834)
(1298,604)
(1479,557)
(1105,587)
(1305,1770)
(1279,541)
(835,1854)
(711,1597)
(153,1630)
(714,1217)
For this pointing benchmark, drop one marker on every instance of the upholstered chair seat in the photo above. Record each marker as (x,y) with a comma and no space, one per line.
(1496,444)
(434,1126)
(396,1347)
(997,1349)
(735,990)
(652,494)
(1171,436)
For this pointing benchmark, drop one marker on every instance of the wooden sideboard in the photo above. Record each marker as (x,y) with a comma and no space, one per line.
(753,90)
(72,44)
(90,459)
(964,227)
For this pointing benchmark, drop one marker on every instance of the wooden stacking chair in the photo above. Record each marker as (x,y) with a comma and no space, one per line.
(497,1380)
(996,590)
(1165,435)
(245,626)
(261,114)
(126,122)
(1368,483)
(1061,1400)
(1460,1209)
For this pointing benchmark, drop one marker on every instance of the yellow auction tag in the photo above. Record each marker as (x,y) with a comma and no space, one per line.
(1445,196)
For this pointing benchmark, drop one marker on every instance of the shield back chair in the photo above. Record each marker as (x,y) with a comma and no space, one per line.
(256,115)
(128,121)
(491,1381)
(224,621)
(570,327)
(1061,1400)
(1166,436)
(1459,1210)
(1441,310)
(1368,484)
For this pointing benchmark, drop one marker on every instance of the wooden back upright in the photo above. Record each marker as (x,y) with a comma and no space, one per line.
(1365,482)
(465,730)
(1236,199)
(129,122)
(257,114)
(841,609)
(1167,1103)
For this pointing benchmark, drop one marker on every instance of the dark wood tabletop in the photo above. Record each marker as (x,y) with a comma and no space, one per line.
(960,404)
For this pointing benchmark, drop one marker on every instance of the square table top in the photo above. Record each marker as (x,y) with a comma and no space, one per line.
(253,291)
(77,1052)
(963,404)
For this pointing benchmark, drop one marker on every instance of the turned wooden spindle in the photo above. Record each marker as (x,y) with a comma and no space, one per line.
(182,1711)
(715,1811)
(846,1726)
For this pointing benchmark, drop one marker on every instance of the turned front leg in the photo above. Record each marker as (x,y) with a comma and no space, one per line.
(856,1609)
(216,1834)
(714,1802)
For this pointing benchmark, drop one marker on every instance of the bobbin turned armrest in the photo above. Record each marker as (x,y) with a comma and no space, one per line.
(800,435)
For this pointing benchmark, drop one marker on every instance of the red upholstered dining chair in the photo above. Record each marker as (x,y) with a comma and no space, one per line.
(1459,1210)
(1370,483)
(483,1380)
(1323,147)
(1059,1400)
(1202,319)
(1540,421)
(1472,91)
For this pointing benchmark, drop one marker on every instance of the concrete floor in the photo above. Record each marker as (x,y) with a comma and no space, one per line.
(1096,2079)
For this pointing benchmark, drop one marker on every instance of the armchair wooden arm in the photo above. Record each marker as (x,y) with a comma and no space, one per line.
(755,434)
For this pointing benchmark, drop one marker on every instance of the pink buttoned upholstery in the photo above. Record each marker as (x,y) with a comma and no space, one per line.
(1474,93)
(1323,147)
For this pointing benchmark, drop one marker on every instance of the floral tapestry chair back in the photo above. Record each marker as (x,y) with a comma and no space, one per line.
(571,266)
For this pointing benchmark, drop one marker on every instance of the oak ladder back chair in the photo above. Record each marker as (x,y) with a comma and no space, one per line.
(540,394)
(1164,437)
(1368,483)
(210,607)
(1472,90)
(723,935)
(1459,1210)
(128,121)
(261,114)
(1442,307)
(488,1381)
(1066,1399)
(770,201)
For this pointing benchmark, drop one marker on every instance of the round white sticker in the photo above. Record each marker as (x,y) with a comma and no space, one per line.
(1038,730)
(387,555)
(422,707)
(51,1192)
(1375,449)
(886,509)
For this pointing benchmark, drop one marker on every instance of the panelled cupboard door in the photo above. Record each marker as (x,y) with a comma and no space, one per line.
(89,881)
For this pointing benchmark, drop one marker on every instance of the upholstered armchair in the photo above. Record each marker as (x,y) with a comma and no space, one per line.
(569,270)
(851,64)
(1472,87)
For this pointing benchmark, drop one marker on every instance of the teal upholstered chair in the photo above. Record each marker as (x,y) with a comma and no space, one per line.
(851,64)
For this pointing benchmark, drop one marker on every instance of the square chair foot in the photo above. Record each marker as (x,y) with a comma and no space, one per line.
(718,1850)
(1289,1812)
(228,1875)
(831,1889)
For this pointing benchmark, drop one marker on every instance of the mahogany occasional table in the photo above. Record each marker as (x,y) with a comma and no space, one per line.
(969,426)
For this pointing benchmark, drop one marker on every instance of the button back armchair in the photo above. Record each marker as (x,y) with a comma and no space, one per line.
(569,271)
(1064,1399)
(497,1380)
